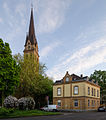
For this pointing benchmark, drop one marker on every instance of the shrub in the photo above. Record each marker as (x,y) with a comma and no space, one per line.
(11,102)
(26,103)
(5,111)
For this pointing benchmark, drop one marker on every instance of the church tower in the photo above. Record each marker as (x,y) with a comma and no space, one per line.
(31,45)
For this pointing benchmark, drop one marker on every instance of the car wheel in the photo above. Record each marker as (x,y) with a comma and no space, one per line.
(54,110)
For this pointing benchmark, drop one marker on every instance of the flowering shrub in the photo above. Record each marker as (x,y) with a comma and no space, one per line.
(26,103)
(10,102)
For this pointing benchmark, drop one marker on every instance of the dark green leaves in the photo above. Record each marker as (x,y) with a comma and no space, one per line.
(9,70)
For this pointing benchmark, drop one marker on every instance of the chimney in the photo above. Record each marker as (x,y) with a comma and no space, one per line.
(66,72)
(93,80)
(97,82)
(87,78)
(81,75)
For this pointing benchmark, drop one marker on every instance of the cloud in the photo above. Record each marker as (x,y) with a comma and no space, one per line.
(15,20)
(89,62)
(1,20)
(82,60)
(9,15)
(5,6)
(48,49)
(52,15)
(81,36)
(20,9)
(36,4)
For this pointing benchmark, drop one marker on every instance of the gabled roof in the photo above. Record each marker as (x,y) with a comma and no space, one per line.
(76,78)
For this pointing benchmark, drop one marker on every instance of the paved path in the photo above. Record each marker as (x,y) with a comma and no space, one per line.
(67,116)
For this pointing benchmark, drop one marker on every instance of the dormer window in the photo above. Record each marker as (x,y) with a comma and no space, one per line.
(67,79)
(74,78)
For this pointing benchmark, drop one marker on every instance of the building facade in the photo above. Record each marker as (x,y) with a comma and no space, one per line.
(31,45)
(76,93)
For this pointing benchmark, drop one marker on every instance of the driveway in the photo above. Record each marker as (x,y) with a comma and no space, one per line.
(67,116)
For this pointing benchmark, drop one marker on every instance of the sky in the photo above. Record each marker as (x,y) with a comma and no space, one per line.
(71,34)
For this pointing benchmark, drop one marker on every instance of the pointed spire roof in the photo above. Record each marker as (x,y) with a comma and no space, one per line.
(31,26)
(31,34)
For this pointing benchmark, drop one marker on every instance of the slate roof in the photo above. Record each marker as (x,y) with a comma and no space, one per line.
(76,78)
(31,34)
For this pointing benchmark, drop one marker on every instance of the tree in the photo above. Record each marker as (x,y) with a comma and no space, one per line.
(9,71)
(100,76)
(33,83)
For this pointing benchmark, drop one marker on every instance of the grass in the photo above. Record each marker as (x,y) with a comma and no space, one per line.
(24,113)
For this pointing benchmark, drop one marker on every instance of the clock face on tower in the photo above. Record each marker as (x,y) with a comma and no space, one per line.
(67,79)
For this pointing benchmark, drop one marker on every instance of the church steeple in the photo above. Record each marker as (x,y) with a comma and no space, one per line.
(31,26)
(31,45)
(31,34)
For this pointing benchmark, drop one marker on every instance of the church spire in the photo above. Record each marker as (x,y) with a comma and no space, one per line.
(31,26)
(31,34)
(31,45)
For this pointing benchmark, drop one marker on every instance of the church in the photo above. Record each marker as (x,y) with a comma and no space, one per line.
(31,45)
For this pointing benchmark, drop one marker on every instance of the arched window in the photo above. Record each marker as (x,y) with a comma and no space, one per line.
(92,91)
(97,93)
(67,79)
(76,90)
(58,91)
(88,90)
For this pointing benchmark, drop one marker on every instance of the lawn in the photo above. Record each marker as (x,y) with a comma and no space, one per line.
(23,113)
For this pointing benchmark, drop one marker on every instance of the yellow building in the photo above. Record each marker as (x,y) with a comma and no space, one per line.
(76,93)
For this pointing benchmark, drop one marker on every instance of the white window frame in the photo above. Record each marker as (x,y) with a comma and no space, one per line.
(76,90)
(97,93)
(75,103)
(59,103)
(88,103)
(59,91)
(88,90)
(92,92)
(67,79)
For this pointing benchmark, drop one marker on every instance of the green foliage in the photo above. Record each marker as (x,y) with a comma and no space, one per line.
(32,83)
(42,69)
(5,111)
(100,76)
(9,71)
(22,113)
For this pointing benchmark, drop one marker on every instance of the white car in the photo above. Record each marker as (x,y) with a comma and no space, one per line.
(50,108)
